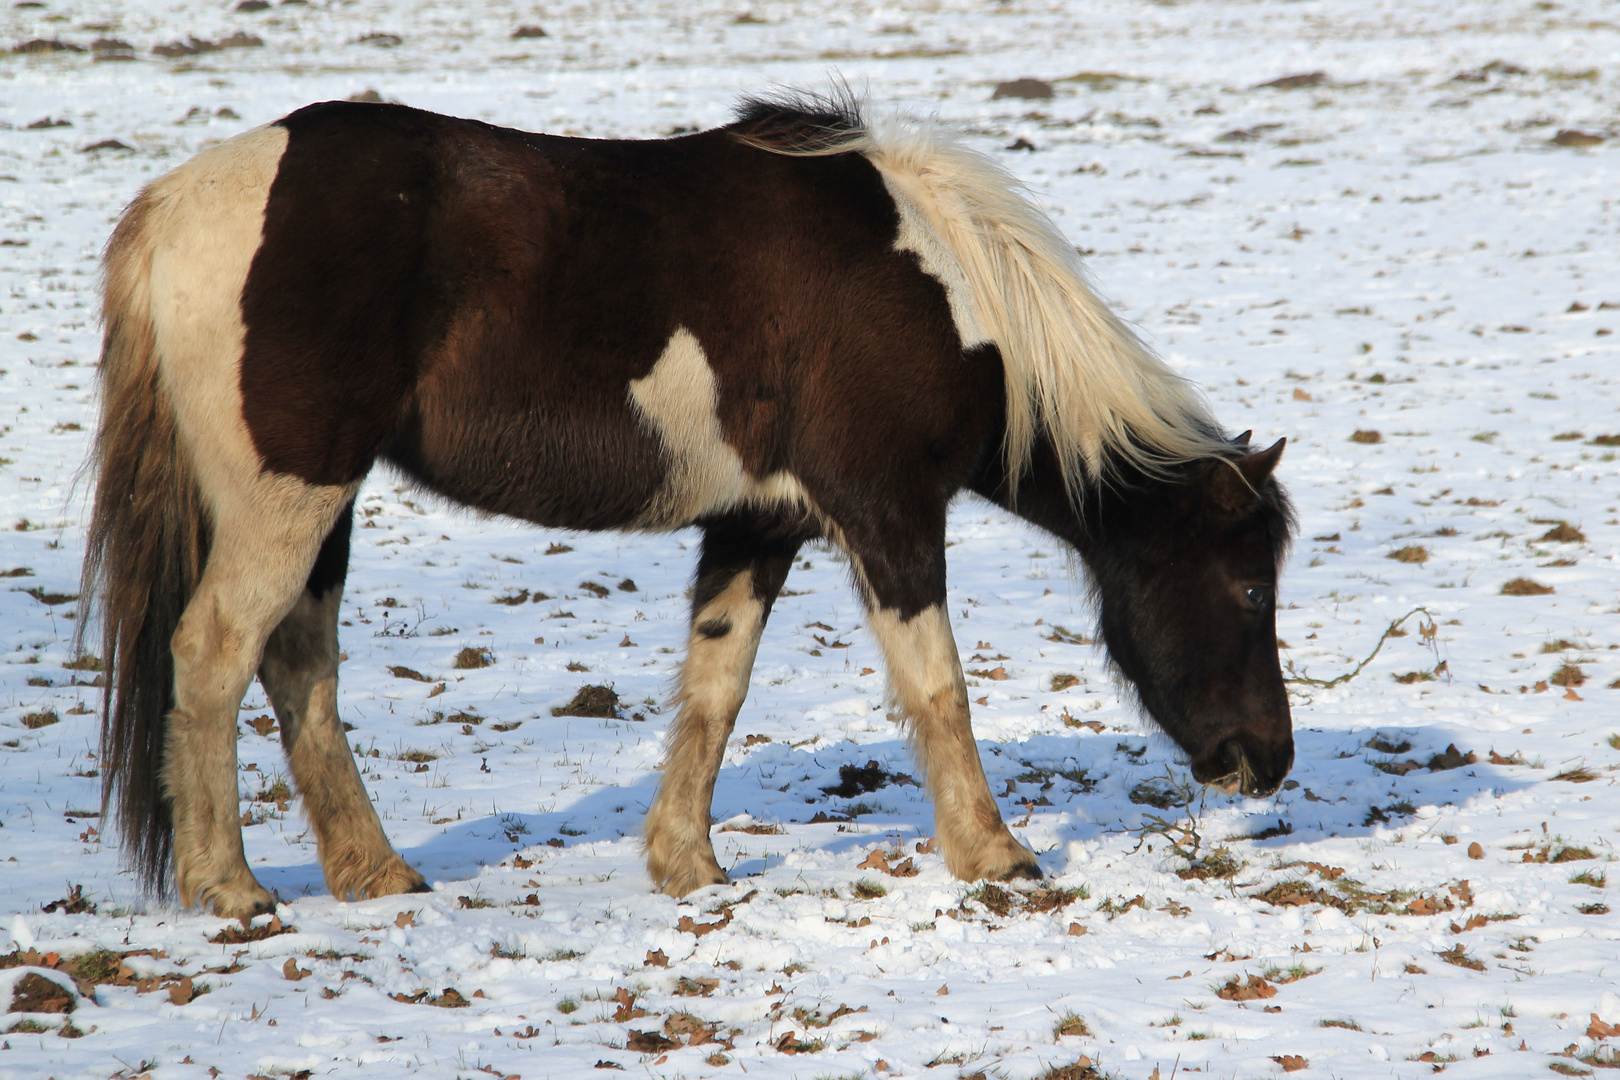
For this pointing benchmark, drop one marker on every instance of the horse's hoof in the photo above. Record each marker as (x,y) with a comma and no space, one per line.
(1002,858)
(396,876)
(693,879)
(1027,871)
(235,901)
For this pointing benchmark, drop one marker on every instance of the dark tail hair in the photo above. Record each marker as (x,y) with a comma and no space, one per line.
(147,545)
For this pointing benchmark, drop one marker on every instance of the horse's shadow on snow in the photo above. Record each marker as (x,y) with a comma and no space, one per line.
(1336,790)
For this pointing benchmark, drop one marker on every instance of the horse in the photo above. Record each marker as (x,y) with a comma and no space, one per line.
(803,325)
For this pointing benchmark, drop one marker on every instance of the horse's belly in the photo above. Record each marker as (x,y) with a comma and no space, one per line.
(652,455)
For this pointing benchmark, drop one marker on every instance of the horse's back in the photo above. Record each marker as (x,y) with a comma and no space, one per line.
(581,333)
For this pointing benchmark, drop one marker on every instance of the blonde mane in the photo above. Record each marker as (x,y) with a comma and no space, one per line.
(1074,370)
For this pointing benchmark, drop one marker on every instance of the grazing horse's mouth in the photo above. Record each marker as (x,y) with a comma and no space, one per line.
(1241,777)
(1243,781)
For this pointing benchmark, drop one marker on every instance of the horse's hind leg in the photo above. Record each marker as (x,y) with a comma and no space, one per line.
(299,671)
(264,541)
(740,571)
(905,591)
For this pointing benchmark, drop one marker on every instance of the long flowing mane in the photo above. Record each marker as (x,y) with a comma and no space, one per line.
(1074,370)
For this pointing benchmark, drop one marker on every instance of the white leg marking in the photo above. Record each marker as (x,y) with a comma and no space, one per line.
(925,674)
(714,683)
(257,566)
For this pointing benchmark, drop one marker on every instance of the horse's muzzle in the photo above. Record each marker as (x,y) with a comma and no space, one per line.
(1256,770)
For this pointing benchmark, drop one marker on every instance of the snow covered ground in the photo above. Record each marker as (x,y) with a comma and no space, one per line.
(1401,265)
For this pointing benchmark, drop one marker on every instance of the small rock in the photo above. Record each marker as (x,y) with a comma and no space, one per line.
(46,45)
(529,31)
(1572,137)
(1029,89)
(1295,82)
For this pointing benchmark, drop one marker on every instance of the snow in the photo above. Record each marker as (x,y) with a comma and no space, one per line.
(1406,252)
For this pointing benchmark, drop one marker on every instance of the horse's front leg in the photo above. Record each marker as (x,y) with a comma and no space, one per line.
(925,677)
(740,572)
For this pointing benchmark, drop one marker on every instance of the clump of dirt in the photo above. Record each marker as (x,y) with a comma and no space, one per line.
(34,993)
(601,702)
(1252,990)
(194,45)
(450,999)
(1026,89)
(1050,898)
(1295,82)
(1156,793)
(1218,864)
(1451,758)
(998,901)
(1367,437)
(856,780)
(237,935)
(1349,896)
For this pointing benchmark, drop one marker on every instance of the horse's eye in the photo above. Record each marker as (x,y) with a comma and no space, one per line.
(1259,596)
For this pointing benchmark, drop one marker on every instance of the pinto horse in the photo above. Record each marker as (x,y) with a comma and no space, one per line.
(802,325)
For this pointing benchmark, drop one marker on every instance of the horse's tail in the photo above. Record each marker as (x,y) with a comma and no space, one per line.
(145,552)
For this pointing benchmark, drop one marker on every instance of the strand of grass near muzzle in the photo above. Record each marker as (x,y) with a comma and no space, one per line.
(1347,676)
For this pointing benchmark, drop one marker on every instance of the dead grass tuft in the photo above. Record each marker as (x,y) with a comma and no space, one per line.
(1521,586)
(1562,533)
(592,701)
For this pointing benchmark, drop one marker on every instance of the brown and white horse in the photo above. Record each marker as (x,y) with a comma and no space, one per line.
(797,326)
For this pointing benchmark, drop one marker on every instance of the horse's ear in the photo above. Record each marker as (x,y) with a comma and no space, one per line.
(1243,439)
(1257,468)
(1235,485)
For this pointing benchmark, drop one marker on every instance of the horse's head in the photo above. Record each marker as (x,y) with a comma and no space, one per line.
(1186,576)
